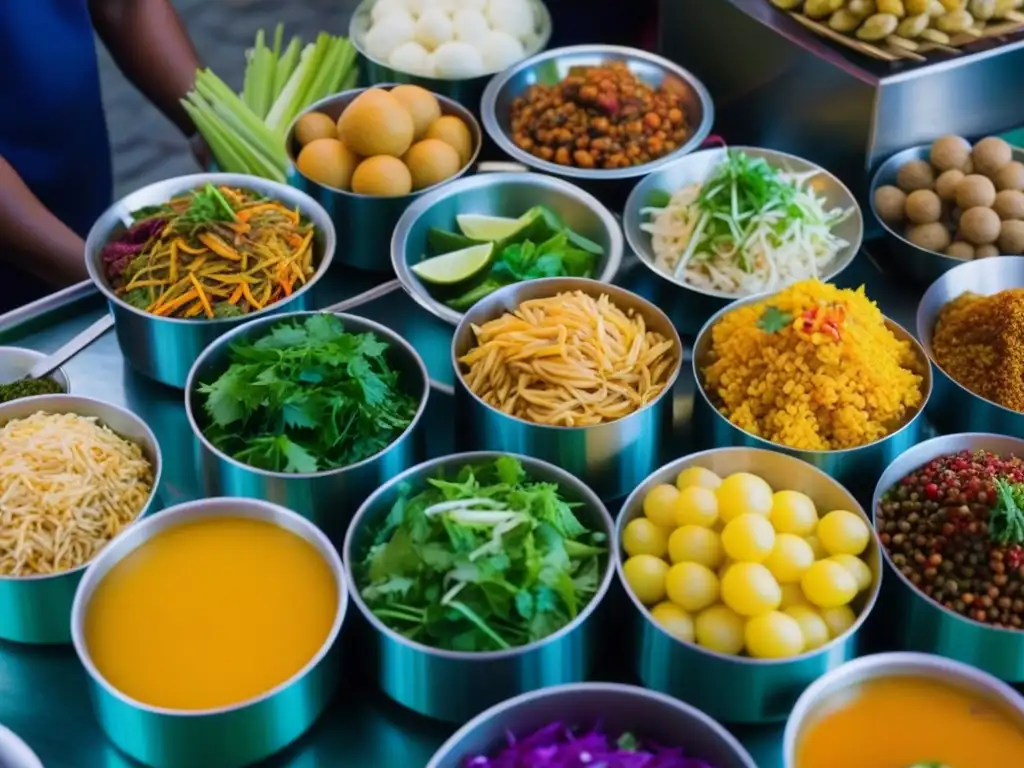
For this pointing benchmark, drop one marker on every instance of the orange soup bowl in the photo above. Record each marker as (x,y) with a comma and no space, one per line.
(208,633)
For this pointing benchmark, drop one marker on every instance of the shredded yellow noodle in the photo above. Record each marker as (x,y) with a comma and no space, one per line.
(569,360)
(67,486)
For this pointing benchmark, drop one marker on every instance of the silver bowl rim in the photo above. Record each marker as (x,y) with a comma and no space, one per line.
(971,438)
(459,460)
(393,338)
(56,374)
(925,339)
(926,387)
(642,247)
(542,14)
(68,403)
(901,158)
(488,107)
(312,532)
(447,103)
(822,650)
(901,660)
(400,235)
(593,288)
(96,240)
(664,700)
(14,741)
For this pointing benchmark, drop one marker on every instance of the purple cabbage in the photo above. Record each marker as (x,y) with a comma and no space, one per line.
(118,254)
(557,746)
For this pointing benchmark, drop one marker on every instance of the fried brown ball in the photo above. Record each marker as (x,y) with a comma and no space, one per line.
(1011,238)
(890,203)
(969,167)
(950,153)
(960,250)
(931,237)
(1009,204)
(917,174)
(975,190)
(990,155)
(980,226)
(986,251)
(947,183)
(923,207)
(1010,176)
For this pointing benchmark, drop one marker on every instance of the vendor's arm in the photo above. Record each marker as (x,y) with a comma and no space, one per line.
(150,45)
(33,238)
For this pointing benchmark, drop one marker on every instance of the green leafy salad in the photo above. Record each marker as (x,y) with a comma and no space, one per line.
(491,252)
(306,397)
(487,560)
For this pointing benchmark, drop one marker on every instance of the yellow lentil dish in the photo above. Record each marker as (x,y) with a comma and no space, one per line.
(600,117)
(979,342)
(814,367)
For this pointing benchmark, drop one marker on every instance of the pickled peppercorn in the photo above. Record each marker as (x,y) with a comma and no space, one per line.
(955,529)
(600,117)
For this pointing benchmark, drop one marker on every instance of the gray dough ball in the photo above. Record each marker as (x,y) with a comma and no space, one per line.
(1011,238)
(991,154)
(932,237)
(890,203)
(980,225)
(947,183)
(975,190)
(986,251)
(1009,204)
(961,250)
(917,174)
(923,207)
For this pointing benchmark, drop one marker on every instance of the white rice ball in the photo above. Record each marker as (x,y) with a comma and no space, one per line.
(470,26)
(433,28)
(458,60)
(470,5)
(500,51)
(389,33)
(448,6)
(429,67)
(512,16)
(411,57)
(384,8)
(414,7)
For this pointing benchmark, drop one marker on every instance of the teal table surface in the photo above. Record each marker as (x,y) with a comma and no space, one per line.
(43,695)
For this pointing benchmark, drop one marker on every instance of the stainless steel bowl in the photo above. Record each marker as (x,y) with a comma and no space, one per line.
(468,91)
(328,498)
(696,305)
(364,223)
(709,680)
(853,467)
(616,708)
(16,362)
(920,265)
(926,625)
(830,689)
(164,348)
(227,737)
(612,458)
(953,407)
(452,685)
(15,753)
(36,609)
(499,194)
(551,67)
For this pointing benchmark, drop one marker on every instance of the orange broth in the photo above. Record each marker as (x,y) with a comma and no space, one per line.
(898,722)
(211,613)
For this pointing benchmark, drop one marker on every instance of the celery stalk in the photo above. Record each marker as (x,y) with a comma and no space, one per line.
(256,152)
(278,40)
(228,159)
(286,64)
(213,89)
(277,119)
(251,80)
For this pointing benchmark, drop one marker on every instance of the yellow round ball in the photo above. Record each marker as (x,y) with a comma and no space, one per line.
(843,533)
(660,505)
(701,476)
(793,512)
(789,559)
(827,584)
(720,629)
(839,620)
(696,505)
(674,620)
(382,176)
(642,537)
(430,162)
(773,635)
(750,589)
(695,544)
(423,107)
(645,576)
(860,570)
(743,493)
(748,538)
(376,123)
(691,586)
(812,626)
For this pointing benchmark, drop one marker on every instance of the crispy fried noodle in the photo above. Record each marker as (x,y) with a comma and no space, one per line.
(67,486)
(569,360)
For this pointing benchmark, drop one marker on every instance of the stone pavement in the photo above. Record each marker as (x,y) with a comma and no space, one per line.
(146,147)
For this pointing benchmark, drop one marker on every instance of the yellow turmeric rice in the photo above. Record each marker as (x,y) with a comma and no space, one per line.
(814,368)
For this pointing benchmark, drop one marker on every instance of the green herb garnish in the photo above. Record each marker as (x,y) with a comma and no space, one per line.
(773,320)
(657,198)
(207,205)
(15,390)
(306,397)
(485,560)
(1006,518)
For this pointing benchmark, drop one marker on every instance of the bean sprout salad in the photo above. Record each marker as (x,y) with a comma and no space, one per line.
(750,228)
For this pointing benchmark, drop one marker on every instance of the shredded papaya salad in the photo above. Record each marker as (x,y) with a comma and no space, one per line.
(209,253)
(749,228)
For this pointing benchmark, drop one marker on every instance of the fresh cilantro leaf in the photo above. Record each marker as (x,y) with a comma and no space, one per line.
(773,320)
(510,471)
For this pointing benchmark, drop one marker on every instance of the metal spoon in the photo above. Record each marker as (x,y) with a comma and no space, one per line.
(80,341)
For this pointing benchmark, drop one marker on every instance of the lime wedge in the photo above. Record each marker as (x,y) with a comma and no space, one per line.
(454,267)
(487,228)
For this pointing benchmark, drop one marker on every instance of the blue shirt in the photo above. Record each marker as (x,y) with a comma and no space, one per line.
(52,128)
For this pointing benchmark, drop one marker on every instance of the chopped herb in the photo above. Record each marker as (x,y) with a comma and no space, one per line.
(481,560)
(15,390)
(1006,518)
(306,397)
(774,320)
(208,205)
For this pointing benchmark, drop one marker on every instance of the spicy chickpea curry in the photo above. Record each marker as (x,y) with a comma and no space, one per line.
(211,252)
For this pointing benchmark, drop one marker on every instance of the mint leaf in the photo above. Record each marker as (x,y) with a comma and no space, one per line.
(773,320)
